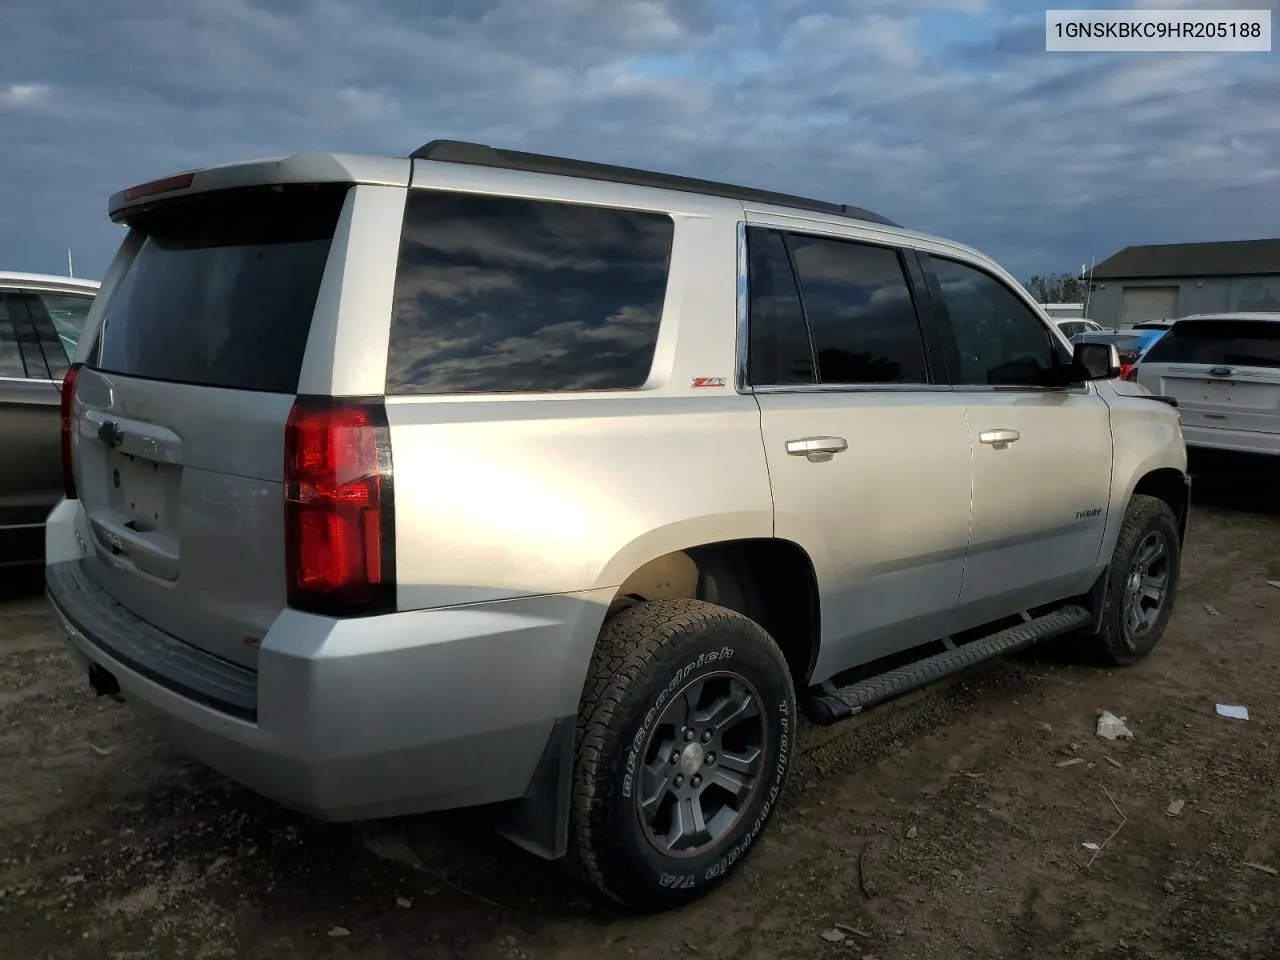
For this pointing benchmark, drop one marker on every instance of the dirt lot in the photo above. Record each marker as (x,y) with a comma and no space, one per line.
(941,827)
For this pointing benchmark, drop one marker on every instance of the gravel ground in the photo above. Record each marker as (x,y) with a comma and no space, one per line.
(943,826)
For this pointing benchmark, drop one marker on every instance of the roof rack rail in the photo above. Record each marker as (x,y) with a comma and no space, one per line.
(479,154)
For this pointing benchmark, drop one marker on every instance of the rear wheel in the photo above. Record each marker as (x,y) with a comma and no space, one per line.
(685,735)
(1142,583)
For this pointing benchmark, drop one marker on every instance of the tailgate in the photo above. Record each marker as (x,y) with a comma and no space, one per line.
(181,410)
(1224,373)
(1241,399)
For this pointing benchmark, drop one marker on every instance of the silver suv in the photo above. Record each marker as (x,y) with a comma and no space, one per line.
(488,478)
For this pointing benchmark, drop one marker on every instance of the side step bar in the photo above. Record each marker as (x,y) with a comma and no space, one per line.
(835,704)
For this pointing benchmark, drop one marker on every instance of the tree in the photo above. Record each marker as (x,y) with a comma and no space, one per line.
(1056,288)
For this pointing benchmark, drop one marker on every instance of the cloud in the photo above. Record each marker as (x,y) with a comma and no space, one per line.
(945,115)
(18,96)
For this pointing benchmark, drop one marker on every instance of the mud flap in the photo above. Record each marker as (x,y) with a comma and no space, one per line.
(539,822)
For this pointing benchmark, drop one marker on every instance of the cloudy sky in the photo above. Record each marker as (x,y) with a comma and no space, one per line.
(944,115)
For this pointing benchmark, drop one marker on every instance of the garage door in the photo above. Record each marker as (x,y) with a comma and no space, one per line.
(1147,303)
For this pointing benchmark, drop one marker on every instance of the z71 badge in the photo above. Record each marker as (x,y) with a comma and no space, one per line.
(708,381)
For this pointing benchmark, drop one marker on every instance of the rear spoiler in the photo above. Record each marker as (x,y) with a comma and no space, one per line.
(300,168)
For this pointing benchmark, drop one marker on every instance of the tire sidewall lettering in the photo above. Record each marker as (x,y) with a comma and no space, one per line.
(783,733)
(678,679)
(721,866)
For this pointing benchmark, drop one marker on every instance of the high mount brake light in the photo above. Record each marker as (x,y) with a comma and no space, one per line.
(339,507)
(178,182)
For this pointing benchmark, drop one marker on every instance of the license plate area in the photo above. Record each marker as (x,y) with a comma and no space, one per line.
(142,493)
(138,529)
(1216,391)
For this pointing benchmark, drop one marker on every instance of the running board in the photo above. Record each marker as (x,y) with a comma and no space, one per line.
(834,704)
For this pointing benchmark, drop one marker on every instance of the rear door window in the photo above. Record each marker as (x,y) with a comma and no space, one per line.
(222,291)
(504,294)
(860,310)
(1219,343)
(779,350)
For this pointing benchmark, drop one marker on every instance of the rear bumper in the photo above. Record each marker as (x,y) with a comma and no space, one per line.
(1240,441)
(355,719)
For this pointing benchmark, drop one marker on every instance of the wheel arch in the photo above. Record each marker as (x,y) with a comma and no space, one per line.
(1172,484)
(770,580)
(773,579)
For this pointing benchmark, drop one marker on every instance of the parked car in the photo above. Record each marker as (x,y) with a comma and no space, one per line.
(1128,346)
(1078,325)
(488,478)
(1149,331)
(40,321)
(1224,372)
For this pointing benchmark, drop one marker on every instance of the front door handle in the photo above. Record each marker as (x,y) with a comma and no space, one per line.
(998,438)
(817,449)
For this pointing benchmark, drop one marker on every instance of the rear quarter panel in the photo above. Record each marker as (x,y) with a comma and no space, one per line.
(507,496)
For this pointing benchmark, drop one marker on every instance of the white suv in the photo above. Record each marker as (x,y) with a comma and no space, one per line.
(1224,372)
(487,478)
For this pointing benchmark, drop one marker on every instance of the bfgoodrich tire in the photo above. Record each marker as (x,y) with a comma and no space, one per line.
(1142,584)
(685,736)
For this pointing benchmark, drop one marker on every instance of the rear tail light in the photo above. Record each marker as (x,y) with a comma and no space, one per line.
(1129,372)
(68,407)
(339,507)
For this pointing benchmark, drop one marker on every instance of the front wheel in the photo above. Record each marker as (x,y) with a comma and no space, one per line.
(1142,583)
(685,736)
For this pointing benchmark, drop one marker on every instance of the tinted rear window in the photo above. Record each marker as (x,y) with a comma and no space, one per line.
(1219,343)
(222,291)
(499,294)
(860,311)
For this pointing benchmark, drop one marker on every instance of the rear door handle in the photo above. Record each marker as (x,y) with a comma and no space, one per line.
(998,438)
(817,449)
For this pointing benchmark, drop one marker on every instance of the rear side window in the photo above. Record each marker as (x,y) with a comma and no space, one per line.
(1219,343)
(503,294)
(222,291)
(860,311)
(12,312)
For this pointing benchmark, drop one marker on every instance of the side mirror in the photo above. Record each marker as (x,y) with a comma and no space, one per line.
(1096,361)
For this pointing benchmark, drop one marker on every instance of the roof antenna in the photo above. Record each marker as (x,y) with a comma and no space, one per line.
(71,270)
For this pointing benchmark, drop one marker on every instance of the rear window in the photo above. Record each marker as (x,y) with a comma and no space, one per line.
(1219,343)
(222,291)
(501,294)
